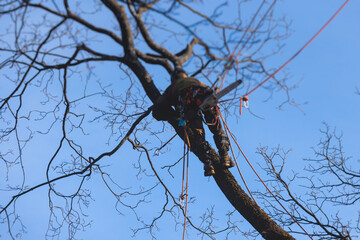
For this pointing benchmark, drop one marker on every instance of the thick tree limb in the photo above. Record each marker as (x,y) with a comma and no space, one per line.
(239,199)
(119,12)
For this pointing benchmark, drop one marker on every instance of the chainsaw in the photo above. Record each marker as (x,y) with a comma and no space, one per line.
(212,100)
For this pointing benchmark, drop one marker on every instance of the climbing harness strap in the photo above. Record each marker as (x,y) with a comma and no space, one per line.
(191,97)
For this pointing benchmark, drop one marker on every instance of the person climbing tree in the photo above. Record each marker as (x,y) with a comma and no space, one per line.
(186,94)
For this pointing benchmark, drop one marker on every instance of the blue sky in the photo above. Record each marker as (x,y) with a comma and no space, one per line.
(327,75)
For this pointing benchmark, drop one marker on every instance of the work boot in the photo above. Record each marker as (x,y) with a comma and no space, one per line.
(208,169)
(226,161)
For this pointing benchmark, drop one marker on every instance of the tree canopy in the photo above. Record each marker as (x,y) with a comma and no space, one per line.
(80,150)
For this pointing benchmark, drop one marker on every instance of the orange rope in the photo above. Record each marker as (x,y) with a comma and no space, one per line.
(245,98)
(247,160)
(242,37)
(232,152)
(301,49)
(248,28)
(257,27)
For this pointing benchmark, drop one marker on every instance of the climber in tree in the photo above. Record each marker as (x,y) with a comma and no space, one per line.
(186,94)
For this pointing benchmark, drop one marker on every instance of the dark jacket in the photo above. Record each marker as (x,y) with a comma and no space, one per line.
(170,97)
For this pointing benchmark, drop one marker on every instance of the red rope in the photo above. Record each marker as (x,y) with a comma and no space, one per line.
(301,49)
(257,26)
(242,37)
(236,162)
(247,160)
(245,98)
(248,28)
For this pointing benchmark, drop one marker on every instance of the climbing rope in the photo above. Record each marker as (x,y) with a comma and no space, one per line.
(233,154)
(245,99)
(247,160)
(295,55)
(247,40)
(185,184)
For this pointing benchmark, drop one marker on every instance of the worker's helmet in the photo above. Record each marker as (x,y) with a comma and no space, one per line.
(178,73)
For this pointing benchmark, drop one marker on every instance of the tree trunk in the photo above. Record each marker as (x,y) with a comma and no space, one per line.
(238,198)
(247,207)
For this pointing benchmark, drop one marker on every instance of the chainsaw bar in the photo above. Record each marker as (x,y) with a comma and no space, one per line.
(212,100)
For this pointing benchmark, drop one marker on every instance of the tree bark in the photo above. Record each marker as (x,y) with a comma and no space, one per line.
(247,207)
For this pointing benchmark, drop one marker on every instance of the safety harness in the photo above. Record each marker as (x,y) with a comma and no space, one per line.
(193,97)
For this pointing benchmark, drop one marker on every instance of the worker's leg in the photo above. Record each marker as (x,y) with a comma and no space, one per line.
(221,140)
(198,145)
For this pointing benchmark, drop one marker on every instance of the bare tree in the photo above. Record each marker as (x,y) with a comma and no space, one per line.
(77,75)
(332,184)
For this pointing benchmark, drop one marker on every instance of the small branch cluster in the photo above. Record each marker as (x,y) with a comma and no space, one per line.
(331,183)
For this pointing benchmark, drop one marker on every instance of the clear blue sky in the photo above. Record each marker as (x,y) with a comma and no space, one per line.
(327,73)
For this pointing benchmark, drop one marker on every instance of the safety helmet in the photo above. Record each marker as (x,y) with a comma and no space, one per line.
(178,73)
